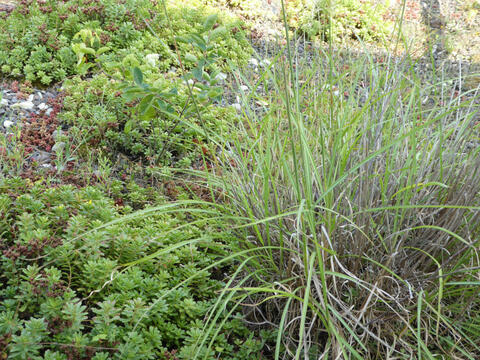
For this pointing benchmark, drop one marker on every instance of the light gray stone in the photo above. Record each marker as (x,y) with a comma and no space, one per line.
(25,105)
(7,124)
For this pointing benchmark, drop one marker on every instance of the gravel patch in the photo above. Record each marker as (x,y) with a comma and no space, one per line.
(16,106)
(27,109)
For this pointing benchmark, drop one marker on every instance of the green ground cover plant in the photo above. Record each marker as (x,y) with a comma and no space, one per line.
(169,117)
(103,120)
(72,285)
(36,37)
(363,20)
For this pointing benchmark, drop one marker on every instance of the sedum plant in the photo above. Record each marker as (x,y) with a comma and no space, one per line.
(158,119)
(37,36)
(201,86)
(339,20)
(80,281)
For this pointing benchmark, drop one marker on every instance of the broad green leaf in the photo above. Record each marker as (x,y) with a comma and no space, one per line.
(201,86)
(132,93)
(203,96)
(128,126)
(214,93)
(162,105)
(102,50)
(165,107)
(149,113)
(209,22)
(206,77)
(145,104)
(216,33)
(191,57)
(197,72)
(137,76)
(86,50)
(83,68)
(199,41)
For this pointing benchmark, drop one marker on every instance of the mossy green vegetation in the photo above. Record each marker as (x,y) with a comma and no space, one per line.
(76,278)
(35,40)
(363,20)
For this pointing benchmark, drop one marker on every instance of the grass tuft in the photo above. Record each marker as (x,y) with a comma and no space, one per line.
(356,188)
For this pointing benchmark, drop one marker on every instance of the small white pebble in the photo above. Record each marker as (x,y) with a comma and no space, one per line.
(190,82)
(253,62)
(30,98)
(48,112)
(151,59)
(221,76)
(3,102)
(26,105)
(42,106)
(7,124)
(244,87)
(273,32)
(48,166)
(59,146)
(265,63)
(39,95)
(237,106)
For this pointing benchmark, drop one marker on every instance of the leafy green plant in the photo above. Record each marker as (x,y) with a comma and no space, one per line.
(161,129)
(201,81)
(88,46)
(38,37)
(64,152)
(340,19)
(78,280)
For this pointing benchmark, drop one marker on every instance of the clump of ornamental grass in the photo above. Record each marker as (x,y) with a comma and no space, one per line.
(352,190)
(355,191)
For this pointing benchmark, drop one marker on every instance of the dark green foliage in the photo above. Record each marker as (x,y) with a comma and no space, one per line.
(68,291)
